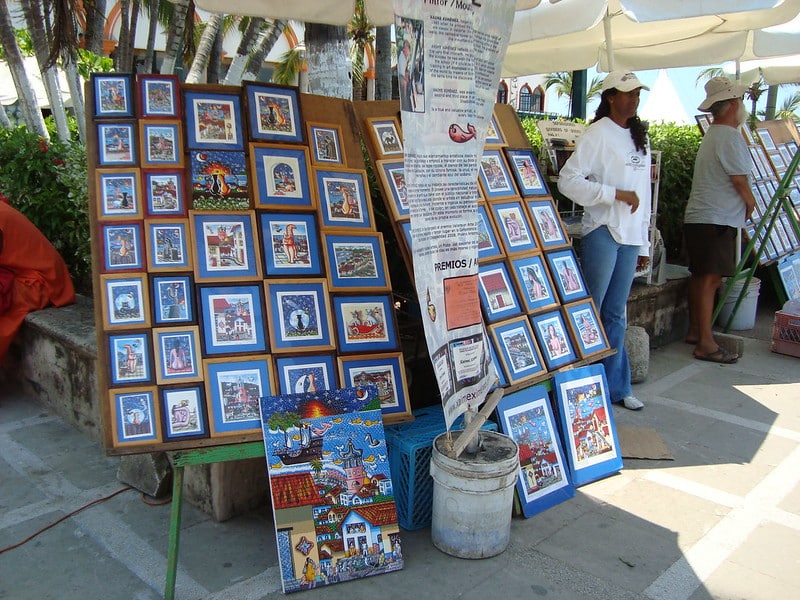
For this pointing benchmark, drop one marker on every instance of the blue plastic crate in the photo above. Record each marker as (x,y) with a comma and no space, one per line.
(410,446)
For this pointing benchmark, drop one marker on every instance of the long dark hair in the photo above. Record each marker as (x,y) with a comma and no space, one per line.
(637,127)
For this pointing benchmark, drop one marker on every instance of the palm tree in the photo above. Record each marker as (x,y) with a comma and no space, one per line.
(95,14)
(383,63)
(562,82)
(360,32)
(175,38)
(204,46)
(251,28)
(788,109)
(262,47)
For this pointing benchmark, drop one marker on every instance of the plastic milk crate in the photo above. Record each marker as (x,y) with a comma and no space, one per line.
(410,446)
(786,334)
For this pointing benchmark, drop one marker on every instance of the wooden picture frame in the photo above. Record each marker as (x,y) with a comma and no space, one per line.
(119,194)
(122,246)
(113,97)
(173,299)
(274,113)
(543,479)
(225,246)
(365,323)
(517,350)
(387,373)
(497,295)
(116,144)
(502,380)
(567,275)
(386,137)
(534,284)
(290,244)
(185,412)
(218,180)
(126,301)
(164,193)
(488,245)
(281,177)
(299,316)
(494,135)
(587,422)
(356,262)
(176,351)
(393,177)
(493,173)
(547,224)
(554,339)
(703,122)
(325,142)
(161,143)
(159,96)
(766,139)
(167,245)
(514,227)
(525,167)
(344,198)
(232,318)
(213,119)
(135,417)
(233,388)
(129,358)
(305,374)
(586,328)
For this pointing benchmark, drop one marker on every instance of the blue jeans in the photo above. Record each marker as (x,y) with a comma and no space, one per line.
(608,268)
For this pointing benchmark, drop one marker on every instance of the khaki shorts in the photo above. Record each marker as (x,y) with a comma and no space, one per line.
(711,249)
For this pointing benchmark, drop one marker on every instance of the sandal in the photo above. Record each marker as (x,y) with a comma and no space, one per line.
(720,355)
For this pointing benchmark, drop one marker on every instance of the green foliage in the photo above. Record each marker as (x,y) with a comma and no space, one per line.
(47,182)
(89,62)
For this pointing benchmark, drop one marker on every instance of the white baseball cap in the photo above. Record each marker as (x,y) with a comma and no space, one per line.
(624,81)
(721,88)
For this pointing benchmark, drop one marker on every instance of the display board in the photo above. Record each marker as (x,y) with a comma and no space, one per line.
(236,256)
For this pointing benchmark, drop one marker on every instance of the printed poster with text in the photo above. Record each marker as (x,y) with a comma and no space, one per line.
(449,57)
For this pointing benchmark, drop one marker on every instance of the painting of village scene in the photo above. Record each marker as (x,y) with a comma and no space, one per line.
(331,487)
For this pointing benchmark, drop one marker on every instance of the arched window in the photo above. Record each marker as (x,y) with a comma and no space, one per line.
(502,93)
(525,98)
(537,102)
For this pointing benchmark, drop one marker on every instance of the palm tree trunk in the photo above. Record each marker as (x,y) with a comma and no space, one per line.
(4,121)
(120,56)
(246,45)
(95,19)
(150,53)
(772,102)
(328,59)
(204,49)
(76,92)
(131,54)
(27,98)
(215,59)
(175,37)
(383,63)
(262,48)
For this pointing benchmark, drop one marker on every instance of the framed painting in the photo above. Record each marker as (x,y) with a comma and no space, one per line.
(185,412)
(225,246)
(213,120)
(161,143)
(533,283)
(232,319)
(233,387)
(526,171)
(393,178)
(344,198)
(517,350)
(116,144)
(168,245)
(301,374)
(122,245)
(290,244)
(385,135)
(766,139)
(118,194)
(494,176)
(488,246)
(274,113)
(218,180)
(554,340)
(126,303)
(281,177)
(703,122)
(515,229)
(158,96)
(365,323)
(547,224)
(113,97)
(325,141)
(498,298)
(299,316)
(164,193)
(494,135)
(135,417)
(173,299)
(587,422)
(387,373)
(177,354)
(129,359)
(356,262)
(567,276)
(586,328)
(543,478)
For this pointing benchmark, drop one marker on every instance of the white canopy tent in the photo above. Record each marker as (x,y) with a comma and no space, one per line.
(663,103)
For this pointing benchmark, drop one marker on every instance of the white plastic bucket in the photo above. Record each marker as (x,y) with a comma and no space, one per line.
(745,317)
(473,496)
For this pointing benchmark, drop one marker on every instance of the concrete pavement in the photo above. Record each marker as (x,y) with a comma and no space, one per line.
(721,521)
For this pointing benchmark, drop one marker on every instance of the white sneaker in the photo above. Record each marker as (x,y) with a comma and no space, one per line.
(632,403)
